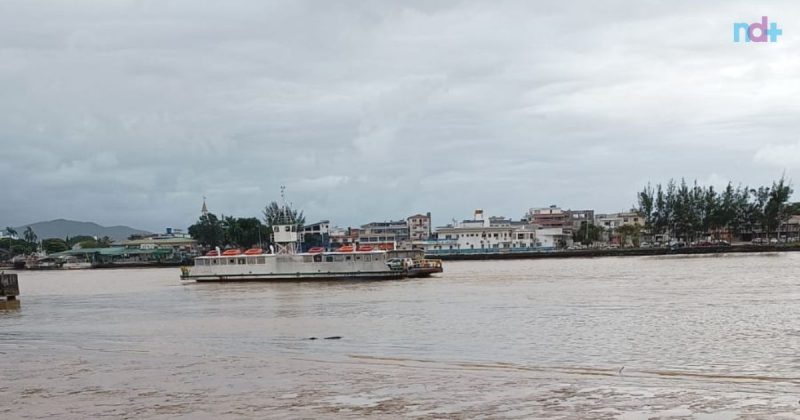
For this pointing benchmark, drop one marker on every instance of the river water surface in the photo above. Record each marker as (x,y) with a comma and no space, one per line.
(708,337)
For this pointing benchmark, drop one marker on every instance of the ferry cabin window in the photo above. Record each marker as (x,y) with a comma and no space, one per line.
(232,261)
(214,261)
(329,258)
(348,258)
(367,257)
(242,261)
(261,260)
(318,258)
(338,258)
(251,260)
(307,258)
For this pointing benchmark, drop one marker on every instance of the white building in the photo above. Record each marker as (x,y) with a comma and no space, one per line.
(492,235)
(419,227)
(615,220)
(4,234)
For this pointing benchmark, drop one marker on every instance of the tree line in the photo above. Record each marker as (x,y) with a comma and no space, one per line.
(29,242)
(692,211)
(243,232)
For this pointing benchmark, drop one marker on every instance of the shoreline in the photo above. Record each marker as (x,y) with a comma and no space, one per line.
(621,252)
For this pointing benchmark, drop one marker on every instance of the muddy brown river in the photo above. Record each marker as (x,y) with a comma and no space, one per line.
(706,337)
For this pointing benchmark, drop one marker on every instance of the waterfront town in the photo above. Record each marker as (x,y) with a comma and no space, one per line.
(761,217)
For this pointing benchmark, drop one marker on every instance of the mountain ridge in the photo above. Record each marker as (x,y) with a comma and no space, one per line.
(61,228)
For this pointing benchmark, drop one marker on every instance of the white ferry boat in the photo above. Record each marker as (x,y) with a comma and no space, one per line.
(283,263)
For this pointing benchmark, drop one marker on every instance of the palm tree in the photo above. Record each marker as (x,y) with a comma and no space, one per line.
(29,235)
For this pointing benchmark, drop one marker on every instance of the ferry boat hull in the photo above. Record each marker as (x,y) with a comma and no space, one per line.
(277,277)
(357,265)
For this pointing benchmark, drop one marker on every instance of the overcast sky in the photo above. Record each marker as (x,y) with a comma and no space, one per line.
(129,112)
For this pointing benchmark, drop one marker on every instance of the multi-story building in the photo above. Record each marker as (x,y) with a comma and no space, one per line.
(579,217)
(391,232)
(316,234)
(343,236)
(549,217)
(495,234)
(615,220)
(419,227)
(612,221)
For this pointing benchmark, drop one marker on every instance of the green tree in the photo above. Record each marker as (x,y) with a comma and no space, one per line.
(52,245)
(587,234)
(75,240)
(104,242)
(11,231)
(629,232)
(89,243)
(208,231)
(275,214)
(251,232)
(22,247)
(688,212)
(777,211)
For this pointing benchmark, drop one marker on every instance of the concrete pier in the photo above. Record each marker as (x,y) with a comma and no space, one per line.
(9,290)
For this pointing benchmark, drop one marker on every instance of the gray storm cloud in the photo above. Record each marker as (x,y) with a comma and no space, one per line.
(131,112)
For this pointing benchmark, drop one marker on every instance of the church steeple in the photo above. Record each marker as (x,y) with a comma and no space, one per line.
(204,210)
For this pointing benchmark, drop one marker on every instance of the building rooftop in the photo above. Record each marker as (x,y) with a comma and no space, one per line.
(157,241)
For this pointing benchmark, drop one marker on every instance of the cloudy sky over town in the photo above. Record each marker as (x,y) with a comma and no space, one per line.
(130,112)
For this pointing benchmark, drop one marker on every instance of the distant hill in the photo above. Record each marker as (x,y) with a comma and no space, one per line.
(61,228)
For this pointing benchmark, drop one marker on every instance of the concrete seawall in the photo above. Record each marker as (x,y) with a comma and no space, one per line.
(621,252)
